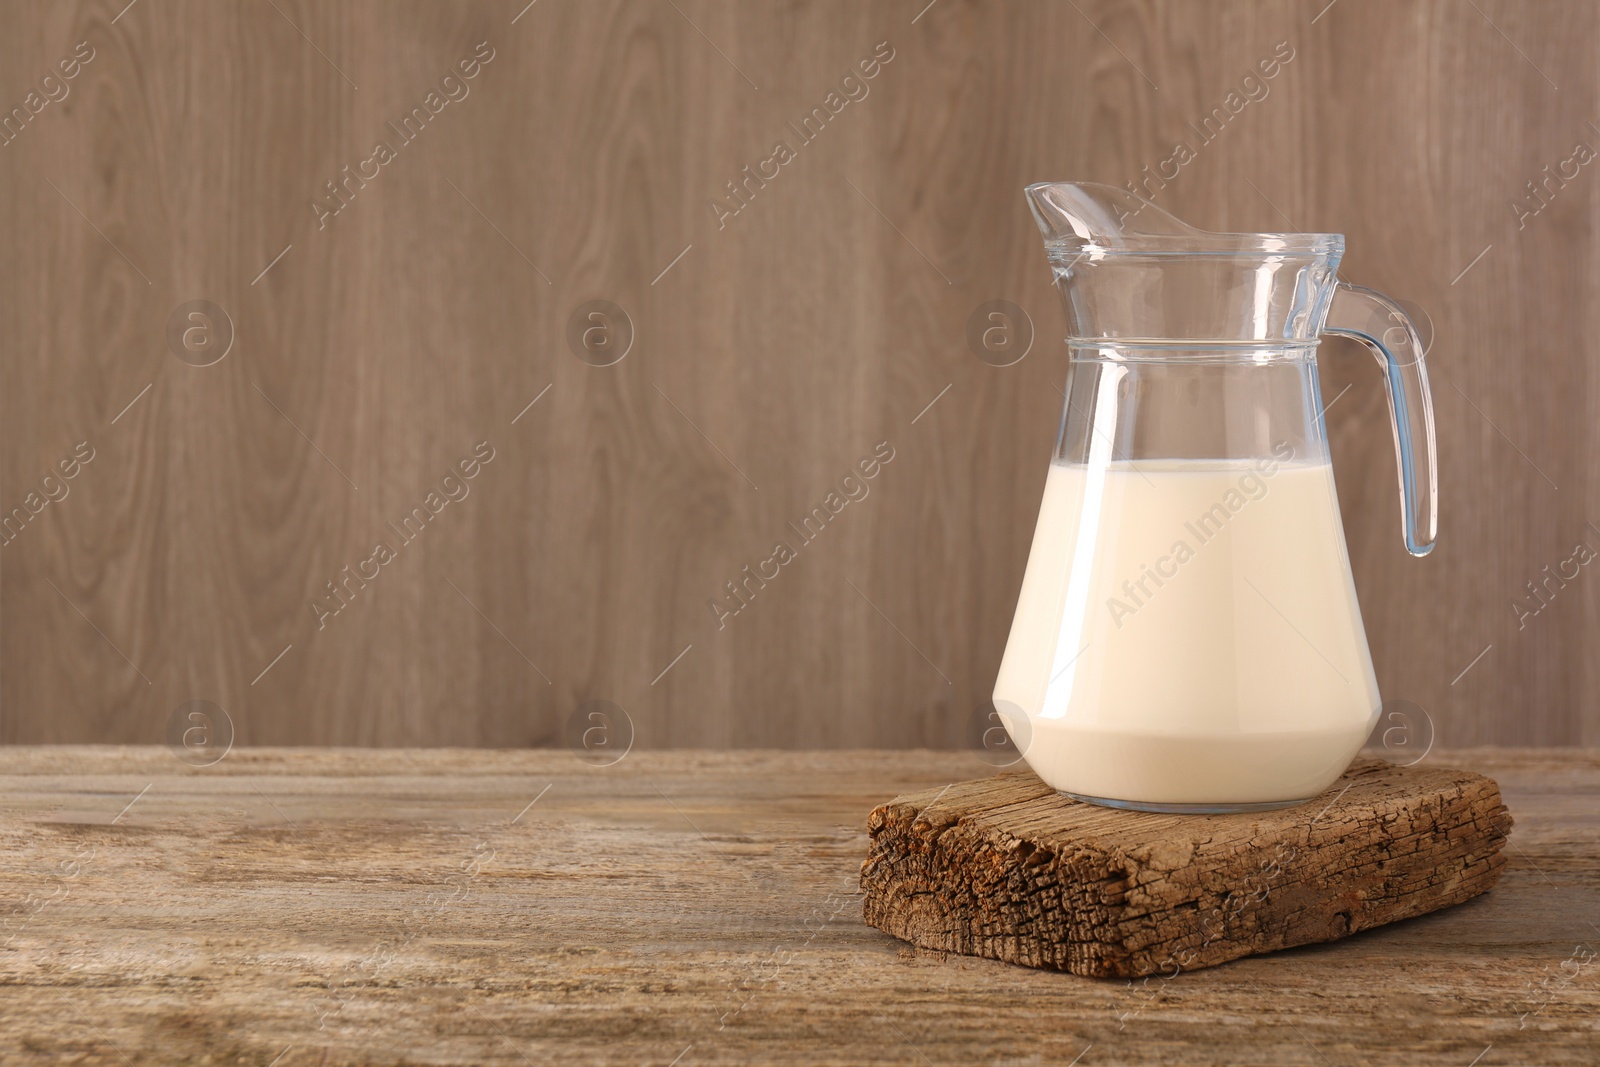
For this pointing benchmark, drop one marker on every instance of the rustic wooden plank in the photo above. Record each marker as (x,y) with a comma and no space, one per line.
(380,907)
(1006,867)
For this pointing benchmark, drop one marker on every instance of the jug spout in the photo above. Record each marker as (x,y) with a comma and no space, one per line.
(1088,214)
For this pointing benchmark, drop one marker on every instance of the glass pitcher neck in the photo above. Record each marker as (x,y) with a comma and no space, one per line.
(1191,410)
(1128,270)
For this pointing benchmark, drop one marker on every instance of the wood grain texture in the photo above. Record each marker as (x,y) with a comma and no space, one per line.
(448,907)
(767,361)
(1005,867)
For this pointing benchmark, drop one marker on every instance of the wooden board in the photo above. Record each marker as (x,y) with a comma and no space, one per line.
(825,318)
(331,907)
(1008,868)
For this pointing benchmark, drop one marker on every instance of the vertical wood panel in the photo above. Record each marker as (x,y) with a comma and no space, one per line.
(776,353)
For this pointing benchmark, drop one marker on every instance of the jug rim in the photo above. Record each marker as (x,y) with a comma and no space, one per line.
(1177,238)
(1243,245)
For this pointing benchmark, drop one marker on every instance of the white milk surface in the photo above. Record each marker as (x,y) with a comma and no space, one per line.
(1188,633)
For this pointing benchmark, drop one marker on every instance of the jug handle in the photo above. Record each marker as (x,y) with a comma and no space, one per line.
(1385,328)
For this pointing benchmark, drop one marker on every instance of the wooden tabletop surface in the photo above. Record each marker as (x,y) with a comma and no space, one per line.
(320,906)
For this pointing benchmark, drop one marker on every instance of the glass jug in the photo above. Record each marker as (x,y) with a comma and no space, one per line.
(1187,636)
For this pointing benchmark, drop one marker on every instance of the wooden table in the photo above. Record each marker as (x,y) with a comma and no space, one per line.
(317,906)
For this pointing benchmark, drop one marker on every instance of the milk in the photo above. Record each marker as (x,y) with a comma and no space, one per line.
(1188,633)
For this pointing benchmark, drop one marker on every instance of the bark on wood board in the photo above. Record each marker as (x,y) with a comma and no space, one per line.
(1006,867)
(323,902)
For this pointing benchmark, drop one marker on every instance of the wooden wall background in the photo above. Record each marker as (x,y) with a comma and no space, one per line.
(775,353)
